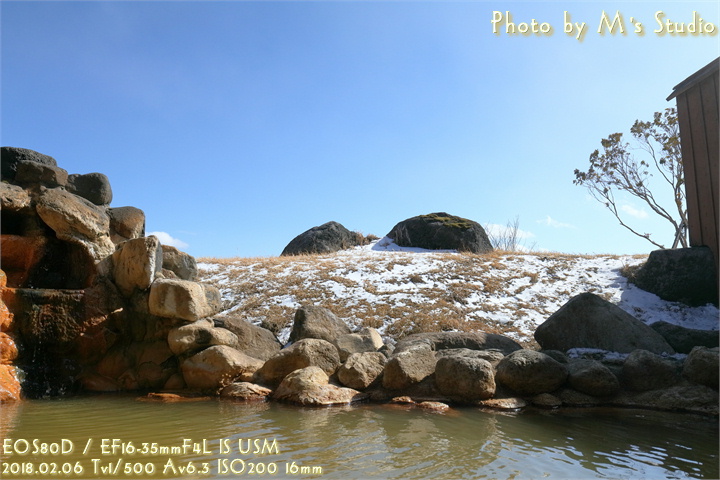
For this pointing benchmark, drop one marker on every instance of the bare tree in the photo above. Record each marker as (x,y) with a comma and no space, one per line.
(616,169)
(508,238)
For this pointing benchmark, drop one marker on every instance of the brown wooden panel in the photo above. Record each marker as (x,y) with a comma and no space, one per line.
(711,112)
(693,207)
(701,162)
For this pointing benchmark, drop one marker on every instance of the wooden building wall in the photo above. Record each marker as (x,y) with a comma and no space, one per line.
(698,111)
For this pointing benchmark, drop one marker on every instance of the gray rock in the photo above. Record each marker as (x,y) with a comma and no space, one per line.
(465,378)
(588,321)
(245,392)
(491,356)
(126,223)
(367,340)
(199,335)
(470,340)
(255,341)
(13,198)
(593,378)
(308,352)
(11,156)
(180,263)
(94,187)
(702,366)
(528,372)
(75,220)
(34,173)
(136,263)
(546,400)
(682,397)
(172,298)
(327,238)
(409,367)
(684,275)
(217,367)
(441,231)
(317,322)
(310,386)
(556,355)
(683,339)
(643,371)
(360,370)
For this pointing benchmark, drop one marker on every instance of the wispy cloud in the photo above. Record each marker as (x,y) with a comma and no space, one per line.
(551,222)
(634,212)
(166,239)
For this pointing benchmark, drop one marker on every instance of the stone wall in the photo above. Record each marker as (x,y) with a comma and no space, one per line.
(87,300)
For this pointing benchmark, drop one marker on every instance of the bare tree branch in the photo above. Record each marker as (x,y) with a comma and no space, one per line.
(616,169)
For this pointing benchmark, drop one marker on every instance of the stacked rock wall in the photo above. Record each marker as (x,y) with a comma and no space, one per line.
(87,300)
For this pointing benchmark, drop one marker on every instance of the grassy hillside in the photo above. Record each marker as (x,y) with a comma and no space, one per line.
(400,293)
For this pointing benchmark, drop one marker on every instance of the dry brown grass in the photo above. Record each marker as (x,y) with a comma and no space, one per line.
(453,291)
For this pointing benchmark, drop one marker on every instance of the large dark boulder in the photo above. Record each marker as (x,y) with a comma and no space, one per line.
(31,174)
(528,372)
(643,371)
(126,223)
(465,378)
(94,187)
(684,339)
(308,352)
(592,378)
(180,263)
(317,322)
(11,156)
(588,321)
(252,340)
(409,367)
(702,366)
(327,238)
(684,275)
(441,231)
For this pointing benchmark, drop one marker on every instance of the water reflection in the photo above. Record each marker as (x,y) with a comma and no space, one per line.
(383,442)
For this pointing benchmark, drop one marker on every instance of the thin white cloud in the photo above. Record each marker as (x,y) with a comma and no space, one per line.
(166,239)
(551,222)
(634,212)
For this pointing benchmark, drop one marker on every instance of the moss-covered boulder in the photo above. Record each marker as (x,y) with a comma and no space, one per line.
(441,231)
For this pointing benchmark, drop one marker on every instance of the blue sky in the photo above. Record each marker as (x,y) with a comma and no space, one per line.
(237,125)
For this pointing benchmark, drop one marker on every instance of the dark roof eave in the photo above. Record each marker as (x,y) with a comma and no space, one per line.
(695,78)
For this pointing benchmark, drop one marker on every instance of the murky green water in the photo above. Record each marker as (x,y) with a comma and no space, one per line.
(120,437)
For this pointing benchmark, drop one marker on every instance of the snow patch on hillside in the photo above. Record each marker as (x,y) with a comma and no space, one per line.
(515,291)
